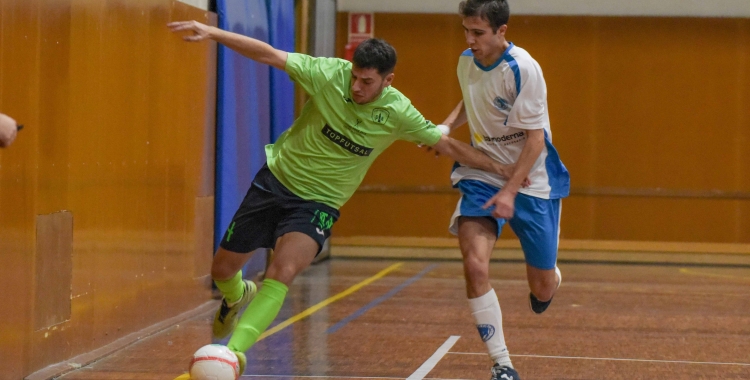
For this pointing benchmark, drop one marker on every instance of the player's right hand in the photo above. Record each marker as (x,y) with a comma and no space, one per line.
(504,205)
(8,130)
(200,31)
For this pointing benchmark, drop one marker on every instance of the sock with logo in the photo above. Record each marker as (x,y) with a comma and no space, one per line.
(258,315)
(489,318)
(232,289)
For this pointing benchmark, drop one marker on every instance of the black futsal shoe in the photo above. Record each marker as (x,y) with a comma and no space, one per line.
(503,373)
(538,306)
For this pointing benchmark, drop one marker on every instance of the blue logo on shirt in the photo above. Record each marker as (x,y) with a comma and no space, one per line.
(501,104)
(486,332)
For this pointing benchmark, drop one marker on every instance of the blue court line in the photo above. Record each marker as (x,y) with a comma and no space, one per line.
(378,300)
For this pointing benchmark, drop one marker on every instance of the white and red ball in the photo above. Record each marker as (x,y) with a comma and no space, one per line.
(214,362)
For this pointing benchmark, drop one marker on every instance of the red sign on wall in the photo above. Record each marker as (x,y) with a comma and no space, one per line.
(361,26)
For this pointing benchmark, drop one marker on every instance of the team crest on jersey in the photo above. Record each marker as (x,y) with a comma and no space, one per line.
(486,332)
(501,104)
(380,115)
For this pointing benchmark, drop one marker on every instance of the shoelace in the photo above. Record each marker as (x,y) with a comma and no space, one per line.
(224,311)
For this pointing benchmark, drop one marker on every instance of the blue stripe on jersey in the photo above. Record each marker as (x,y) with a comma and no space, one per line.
(499,60)
(490,67)
(467,53)
(559,178)
(513,66)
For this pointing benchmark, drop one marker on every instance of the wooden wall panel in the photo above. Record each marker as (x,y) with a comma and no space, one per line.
(643,105)
(119,133)
(19,31)
(53,269)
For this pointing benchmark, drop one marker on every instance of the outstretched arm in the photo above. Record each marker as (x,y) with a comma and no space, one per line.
(249,47)
(457,117)
(467,155)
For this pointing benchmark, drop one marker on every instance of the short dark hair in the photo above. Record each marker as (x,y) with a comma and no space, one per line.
(375,54)
(496,12)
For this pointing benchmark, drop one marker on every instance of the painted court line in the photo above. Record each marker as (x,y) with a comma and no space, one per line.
(312,310)
(427,366)
(337,377)
(611,359)
(694,273)
(327,302)
(378,300)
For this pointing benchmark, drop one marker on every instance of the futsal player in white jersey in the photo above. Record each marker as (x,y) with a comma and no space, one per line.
(505,104)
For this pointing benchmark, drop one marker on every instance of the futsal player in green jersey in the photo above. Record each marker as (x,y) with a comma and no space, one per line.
(352,116)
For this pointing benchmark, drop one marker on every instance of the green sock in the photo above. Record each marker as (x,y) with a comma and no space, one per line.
(258,315)
(232,289)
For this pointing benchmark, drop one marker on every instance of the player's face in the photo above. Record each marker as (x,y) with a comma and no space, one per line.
(486,46)
(367,84)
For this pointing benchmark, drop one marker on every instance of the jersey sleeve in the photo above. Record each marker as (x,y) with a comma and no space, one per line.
(529,108)
(310,72)
(415,128)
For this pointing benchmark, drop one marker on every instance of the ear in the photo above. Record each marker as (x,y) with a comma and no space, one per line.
(388,79)
(501,30)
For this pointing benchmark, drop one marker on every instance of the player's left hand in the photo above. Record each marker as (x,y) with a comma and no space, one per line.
(506,171)
(504,203)
(200,31)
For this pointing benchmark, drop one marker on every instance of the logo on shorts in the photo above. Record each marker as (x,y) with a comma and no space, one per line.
(380,115)
(230,232)
(323,221)
(486,332)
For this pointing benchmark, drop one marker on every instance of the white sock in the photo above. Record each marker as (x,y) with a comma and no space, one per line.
(489,318)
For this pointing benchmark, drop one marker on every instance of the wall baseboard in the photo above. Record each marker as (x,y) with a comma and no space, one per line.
(570,250)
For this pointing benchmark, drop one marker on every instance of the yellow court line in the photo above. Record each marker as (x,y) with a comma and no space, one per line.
(319,306)
(688,271)
(327,302)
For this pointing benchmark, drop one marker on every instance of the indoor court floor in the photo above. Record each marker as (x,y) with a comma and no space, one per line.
(385,319)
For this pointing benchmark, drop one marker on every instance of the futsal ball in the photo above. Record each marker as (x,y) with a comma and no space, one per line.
(214,362)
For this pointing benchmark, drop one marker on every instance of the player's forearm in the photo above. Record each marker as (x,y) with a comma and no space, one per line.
(467,155)
(457,117)
(529,154)
(250,47)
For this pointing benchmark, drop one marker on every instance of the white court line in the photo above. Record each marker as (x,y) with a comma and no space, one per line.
(338,377)
(610,359)
(427,366)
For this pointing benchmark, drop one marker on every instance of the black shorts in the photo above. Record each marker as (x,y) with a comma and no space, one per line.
(269,211)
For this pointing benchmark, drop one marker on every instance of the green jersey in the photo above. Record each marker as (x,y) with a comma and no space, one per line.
(324,156)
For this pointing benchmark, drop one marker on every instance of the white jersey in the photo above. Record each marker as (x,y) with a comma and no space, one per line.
(503,101)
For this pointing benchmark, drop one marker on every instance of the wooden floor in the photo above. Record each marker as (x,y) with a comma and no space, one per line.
(608,321)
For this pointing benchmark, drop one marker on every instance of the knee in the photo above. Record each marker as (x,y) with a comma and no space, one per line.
(282,273)
(476,270)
